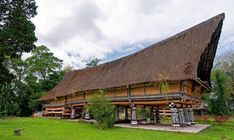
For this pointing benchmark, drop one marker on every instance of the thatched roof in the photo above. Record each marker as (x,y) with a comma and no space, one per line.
(187,55)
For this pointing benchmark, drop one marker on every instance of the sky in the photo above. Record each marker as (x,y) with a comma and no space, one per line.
(76,30)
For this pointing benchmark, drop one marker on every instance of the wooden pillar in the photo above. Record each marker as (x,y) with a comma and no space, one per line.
(83,110)
(117,113)
(126,113)
(129,94)
(84,102)
(65,101)
(158,115)
(193,89)
(143,115)
(182,88)
(133,116)
(152,121)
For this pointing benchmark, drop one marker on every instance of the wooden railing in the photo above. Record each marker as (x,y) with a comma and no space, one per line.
(56,111)
(165,112)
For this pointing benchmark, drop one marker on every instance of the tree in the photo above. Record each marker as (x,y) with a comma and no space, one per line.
(92,62)
(18,85)
(163,85)
(226,64)
(16,37)
(219,96)
(16,33)
(45,67)
(44,72)
(8,7)
(67,68)
(102,110)
(21,94)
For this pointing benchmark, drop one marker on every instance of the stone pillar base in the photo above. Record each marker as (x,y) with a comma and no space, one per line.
(73,114)
(87,116)
(133,122)
(143,122)
(176,125)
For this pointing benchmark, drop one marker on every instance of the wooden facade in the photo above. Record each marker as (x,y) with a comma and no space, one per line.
(182,94)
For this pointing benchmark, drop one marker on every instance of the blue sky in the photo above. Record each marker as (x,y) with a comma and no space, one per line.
(76,30)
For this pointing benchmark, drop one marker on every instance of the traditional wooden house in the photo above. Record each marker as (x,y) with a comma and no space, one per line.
(184,61)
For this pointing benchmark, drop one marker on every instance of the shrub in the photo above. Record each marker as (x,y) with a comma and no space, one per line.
(202,118)
(165,119)
(102,110)
(221,119)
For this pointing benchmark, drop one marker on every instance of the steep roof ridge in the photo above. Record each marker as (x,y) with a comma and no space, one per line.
(160,43)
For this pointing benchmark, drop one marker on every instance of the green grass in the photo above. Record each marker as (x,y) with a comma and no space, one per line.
(56,129)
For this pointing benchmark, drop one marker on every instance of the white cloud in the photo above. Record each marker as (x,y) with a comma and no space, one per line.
(75,30)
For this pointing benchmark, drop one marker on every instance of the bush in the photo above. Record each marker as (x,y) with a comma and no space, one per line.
(202,118)
(102,110)
(221,119)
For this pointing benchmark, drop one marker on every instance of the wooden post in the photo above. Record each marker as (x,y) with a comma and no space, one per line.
(158,115)
(84,112)
(152,121)
(84,98)
(129,94)
(182,88)
(193,89)
(126,113)
(65,100)
(117,113)
(144,121)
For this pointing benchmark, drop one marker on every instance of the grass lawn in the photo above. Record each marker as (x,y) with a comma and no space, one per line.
(56,129)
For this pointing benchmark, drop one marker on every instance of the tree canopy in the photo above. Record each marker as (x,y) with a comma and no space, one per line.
(17,33)
(225,63)
(219,96)
(92,62)
(33,77)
